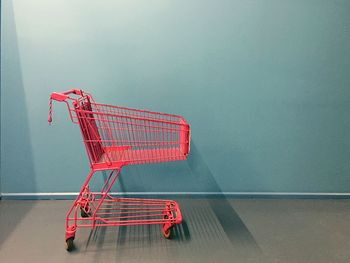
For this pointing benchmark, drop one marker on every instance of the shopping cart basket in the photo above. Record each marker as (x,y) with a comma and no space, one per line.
(114,137)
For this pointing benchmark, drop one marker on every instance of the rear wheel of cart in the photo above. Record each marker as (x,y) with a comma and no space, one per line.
(69,244)
(84,214)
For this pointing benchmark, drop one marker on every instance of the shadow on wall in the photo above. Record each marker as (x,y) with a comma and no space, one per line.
(232,224)
(17,169)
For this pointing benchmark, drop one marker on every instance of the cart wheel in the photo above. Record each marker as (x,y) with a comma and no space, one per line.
(84,214)
(69,244)
(167,234)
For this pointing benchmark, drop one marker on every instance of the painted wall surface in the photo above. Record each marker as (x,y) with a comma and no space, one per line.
(265,86)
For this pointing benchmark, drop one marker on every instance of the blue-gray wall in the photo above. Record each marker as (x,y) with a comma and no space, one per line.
(265,86)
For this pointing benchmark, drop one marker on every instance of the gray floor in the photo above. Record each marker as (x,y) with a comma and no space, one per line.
(215,230)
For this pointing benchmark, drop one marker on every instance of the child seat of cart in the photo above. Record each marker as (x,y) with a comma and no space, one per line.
(89,129)
(92,138)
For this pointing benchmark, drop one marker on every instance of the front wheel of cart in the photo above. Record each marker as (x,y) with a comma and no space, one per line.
(167,233)
(167,230)
(69,244)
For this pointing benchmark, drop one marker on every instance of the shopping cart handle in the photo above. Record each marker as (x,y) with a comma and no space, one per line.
(62,96)
(58,96)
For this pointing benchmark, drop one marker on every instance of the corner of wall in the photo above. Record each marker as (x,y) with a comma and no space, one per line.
(0,91)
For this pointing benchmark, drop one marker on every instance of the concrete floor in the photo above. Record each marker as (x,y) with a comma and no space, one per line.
(215,230)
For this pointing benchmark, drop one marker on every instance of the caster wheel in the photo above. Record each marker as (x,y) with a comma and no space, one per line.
(69,244)
(167,234)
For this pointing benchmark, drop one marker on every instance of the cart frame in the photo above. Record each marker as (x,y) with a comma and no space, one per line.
(114,137)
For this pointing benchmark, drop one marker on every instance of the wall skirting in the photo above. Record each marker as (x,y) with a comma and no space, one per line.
(282,195)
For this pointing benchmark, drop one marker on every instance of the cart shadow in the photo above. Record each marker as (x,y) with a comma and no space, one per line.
(208,222)
(203,233)
(233,226)
(134,236)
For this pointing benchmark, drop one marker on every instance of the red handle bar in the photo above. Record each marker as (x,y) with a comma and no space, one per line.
(61,96)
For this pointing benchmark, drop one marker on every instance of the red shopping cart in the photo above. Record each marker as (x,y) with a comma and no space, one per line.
(114,137)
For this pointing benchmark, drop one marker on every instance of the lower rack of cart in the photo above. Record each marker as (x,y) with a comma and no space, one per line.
(101,209)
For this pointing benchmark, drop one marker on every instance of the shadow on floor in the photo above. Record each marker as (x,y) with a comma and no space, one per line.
(208,233)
